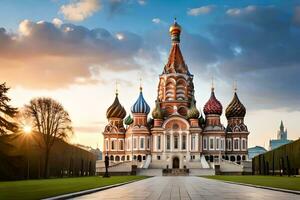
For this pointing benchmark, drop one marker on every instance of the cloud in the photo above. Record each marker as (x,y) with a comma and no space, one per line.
(156,20)
(57,22)
(79,10)
(200,10)
(258,46)
(241,11)
(45,55)
(142,2)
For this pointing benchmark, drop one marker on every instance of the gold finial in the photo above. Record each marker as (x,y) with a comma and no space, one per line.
(117,91)
(212,84)
(235,86)
(141,88)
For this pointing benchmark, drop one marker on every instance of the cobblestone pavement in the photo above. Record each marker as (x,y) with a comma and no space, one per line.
(188,187)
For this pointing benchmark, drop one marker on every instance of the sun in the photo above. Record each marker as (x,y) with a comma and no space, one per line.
(27,129)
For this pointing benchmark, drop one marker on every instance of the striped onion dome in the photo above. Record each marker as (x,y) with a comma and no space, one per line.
(116,110)
(213,105)
(193,112)
(128,120)
(157,112)
(235,108)
(140,106)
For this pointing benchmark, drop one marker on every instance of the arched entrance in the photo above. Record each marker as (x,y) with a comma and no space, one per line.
(139,158)
(175,163)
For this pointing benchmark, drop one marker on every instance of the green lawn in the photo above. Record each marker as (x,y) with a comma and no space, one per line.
(37,189)
(284,182)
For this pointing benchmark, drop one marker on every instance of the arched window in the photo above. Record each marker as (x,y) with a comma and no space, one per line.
(232,158)
(139,158)
(121,144)
(243,157)
(117,158)
(183,145)
(128,157)
(168,145)
(113,145)
(112,158)
(123,158)
(176,141)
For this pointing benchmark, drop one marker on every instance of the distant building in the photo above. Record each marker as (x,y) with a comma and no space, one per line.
(96,151)
(281,138)
(254,151)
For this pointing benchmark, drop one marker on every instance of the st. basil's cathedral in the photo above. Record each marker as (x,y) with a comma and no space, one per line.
(177,135)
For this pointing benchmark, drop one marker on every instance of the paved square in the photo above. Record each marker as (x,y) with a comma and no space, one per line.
(187,187)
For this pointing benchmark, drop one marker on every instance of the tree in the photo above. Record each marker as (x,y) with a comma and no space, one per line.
(50,119)
(7,112)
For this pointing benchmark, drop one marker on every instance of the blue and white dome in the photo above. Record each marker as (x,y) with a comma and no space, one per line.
(140,106)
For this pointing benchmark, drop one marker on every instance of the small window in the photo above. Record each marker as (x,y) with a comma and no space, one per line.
(158,157)
(205,143)
(142,143)
(158,142)
(168,142)
(193,142)
(211,143)
(183,142)
(175,141)
(134,143)
(121,145)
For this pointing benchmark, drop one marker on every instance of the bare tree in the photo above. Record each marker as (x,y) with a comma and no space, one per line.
(51,120)
(7,112)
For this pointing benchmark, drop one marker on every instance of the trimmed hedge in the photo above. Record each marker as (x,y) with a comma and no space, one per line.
(284,160)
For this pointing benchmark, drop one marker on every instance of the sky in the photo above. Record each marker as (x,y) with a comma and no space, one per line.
(75,50)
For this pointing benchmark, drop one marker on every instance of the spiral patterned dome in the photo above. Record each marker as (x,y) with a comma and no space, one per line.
(140,106)
(116,110)
(193,112)
(128,120)
(235,108)
(157,112)
(213,105)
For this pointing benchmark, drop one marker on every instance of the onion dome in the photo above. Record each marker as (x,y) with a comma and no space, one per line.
(128,120)
(175,30)
(157,112)
(140,106)
(213,105)
(116,110)
(193,112)
(235,108)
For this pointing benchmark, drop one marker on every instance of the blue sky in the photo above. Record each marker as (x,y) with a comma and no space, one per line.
(81,47)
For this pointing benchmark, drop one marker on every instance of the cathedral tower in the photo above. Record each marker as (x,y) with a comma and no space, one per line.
(175,88)
(237,131)
(114,132)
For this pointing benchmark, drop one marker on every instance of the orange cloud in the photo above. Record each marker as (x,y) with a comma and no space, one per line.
(52,55)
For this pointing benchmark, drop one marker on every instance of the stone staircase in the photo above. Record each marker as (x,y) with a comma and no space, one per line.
(175,172)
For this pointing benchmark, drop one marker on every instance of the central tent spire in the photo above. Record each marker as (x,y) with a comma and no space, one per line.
(176,62)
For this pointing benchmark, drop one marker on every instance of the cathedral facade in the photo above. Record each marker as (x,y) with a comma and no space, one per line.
(177,135)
